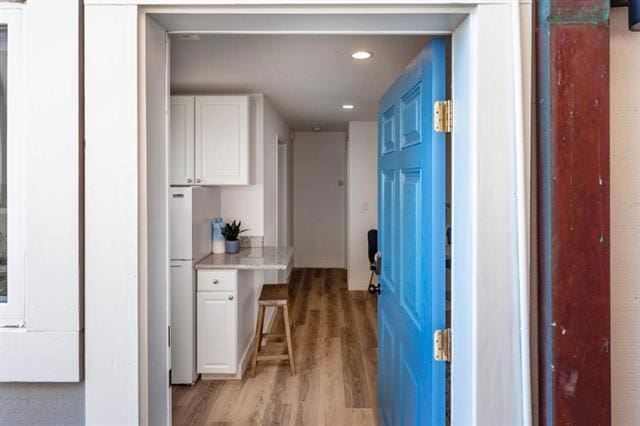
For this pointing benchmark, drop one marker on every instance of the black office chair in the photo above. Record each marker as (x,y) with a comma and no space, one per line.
(372,241)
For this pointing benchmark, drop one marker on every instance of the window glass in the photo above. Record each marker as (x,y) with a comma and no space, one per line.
(3,164)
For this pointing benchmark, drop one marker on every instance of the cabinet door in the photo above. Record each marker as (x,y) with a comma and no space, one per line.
(217,332)
(182,140)
(222,140)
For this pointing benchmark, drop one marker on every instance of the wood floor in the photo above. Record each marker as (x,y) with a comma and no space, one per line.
(335,338)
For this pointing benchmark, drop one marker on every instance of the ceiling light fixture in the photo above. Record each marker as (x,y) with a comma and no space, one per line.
(361,54)
(316,128)
(347,106)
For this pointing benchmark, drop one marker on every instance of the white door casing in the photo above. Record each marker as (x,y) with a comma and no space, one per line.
(490,371)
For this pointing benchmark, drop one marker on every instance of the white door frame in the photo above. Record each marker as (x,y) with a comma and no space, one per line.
(491,147)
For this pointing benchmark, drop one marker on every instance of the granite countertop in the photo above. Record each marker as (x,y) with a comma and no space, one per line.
(250,258)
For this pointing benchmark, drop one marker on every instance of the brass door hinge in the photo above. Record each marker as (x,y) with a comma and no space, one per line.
(442,345)
(443,116)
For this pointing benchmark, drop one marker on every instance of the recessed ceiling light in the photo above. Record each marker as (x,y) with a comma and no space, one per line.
(361,54)
(347,106)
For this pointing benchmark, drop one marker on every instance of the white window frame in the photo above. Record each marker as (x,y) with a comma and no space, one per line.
(12,312)
(41,327)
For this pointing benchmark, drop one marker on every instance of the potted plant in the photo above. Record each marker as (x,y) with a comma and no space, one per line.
(230,232)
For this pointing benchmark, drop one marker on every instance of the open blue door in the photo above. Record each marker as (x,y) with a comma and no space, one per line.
(412,230)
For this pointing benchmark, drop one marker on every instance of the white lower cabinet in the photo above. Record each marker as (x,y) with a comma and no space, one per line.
(225,309)
(217,341)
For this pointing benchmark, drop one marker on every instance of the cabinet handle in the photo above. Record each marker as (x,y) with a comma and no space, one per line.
(230,297)
(198,181)
(216,281)
(189,181)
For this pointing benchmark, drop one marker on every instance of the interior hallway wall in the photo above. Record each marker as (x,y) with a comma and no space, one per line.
(275,129)
(625,221)
(319,201)
(362,204)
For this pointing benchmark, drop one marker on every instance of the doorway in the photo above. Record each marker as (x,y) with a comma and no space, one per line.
(329,104)
(485,70)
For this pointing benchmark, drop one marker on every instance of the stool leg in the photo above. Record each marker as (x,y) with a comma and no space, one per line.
(287,330)
(258,339)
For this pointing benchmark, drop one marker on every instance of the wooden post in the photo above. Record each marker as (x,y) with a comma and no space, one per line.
(572,42)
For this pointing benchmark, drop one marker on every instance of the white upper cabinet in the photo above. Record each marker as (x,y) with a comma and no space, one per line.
(182,142)
(209,140)
(222,140)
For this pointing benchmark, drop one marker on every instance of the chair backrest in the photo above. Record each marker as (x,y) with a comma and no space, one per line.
(372,240)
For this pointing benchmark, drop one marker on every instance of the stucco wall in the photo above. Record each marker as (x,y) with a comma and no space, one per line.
(41,404)
(625,221)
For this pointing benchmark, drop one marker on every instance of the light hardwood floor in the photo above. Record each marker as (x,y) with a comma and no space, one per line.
(335,338)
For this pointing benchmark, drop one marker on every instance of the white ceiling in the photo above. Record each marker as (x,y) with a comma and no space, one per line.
(306,77)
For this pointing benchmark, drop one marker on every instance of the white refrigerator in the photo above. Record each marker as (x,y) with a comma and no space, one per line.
(192,209)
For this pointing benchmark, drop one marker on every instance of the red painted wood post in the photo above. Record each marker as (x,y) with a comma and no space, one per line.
(572,43)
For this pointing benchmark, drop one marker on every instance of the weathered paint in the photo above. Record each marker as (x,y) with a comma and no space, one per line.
(573,170)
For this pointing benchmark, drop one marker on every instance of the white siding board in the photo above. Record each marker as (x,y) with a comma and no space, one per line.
(111,197)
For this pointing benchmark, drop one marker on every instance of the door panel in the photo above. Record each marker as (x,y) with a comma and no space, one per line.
(412,234)
(410,220)
(386,367)
(388,220)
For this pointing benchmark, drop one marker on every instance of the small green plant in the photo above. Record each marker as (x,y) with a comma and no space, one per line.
(230,231)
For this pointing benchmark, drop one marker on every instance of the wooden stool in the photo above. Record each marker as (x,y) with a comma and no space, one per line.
(276,295)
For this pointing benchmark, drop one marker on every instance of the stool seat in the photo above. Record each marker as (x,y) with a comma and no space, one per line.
(275,295)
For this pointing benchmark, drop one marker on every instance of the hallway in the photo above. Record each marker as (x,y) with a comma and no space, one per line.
(335,345)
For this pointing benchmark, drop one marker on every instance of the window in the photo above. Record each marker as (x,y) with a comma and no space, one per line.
(40,320)
(3,164)
(12,178)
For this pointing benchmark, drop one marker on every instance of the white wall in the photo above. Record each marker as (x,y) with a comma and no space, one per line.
(362,204)
(319,225)
(625,221)
(275,129)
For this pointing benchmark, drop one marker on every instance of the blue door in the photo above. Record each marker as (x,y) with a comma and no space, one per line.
(412,230)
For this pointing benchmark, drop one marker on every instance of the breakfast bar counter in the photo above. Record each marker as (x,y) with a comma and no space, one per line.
(251,258)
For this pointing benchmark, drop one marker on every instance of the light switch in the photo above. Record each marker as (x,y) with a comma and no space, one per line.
(365,206)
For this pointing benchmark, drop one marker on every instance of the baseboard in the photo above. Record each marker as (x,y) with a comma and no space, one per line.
(358,285)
